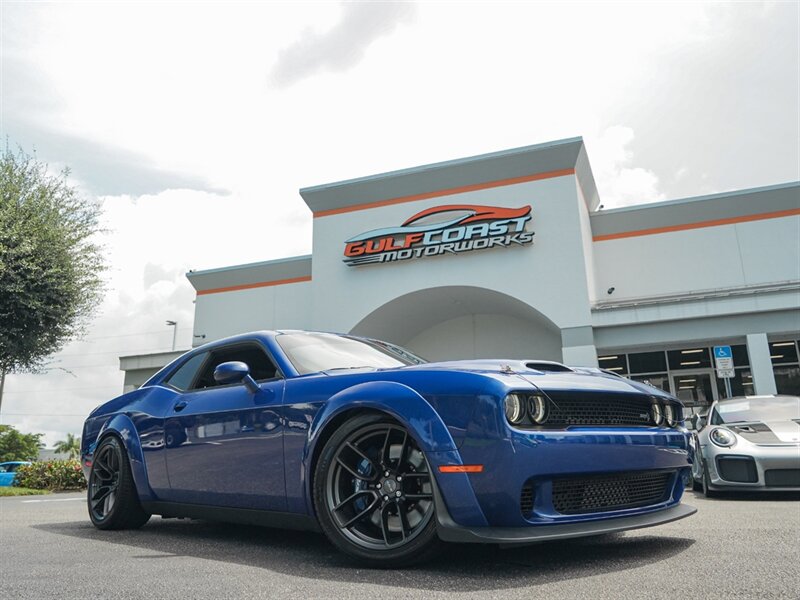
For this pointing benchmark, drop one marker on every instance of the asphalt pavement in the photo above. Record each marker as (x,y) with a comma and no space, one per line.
(734,547)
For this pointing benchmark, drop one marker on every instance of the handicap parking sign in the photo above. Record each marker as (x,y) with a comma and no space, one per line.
(723,359)
(723,352)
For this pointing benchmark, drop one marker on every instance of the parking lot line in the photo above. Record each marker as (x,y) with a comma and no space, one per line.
(53,500)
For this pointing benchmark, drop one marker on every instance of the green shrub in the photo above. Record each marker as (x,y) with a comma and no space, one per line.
(51,475)
(8,490)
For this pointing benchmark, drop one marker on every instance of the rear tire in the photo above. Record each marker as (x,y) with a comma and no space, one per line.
(111,495)
(373,494)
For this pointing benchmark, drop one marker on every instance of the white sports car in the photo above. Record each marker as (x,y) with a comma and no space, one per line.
(749,443)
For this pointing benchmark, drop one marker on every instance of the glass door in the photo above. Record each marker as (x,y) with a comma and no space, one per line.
(697,389)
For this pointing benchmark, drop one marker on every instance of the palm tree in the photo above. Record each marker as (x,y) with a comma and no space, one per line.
(71,446)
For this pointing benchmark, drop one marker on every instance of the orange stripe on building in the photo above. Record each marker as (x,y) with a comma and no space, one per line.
(700,224)
(250,286)
(448,192)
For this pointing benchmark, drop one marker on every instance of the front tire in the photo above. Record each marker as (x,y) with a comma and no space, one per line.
(707,491)
(111,496)
(373,494)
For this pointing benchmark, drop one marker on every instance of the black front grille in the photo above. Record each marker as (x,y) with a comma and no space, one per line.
(569,408)
(739,469)
(526,500)
(782,477)
(610,492)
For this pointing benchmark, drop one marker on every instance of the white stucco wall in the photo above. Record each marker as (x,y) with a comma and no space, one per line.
(487,336)
(549,275)
(724,256)
(286,306)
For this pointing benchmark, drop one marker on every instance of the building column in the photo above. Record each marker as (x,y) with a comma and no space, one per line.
(761,364)
(577,347)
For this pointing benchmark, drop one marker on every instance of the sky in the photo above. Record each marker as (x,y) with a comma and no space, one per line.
(195,124)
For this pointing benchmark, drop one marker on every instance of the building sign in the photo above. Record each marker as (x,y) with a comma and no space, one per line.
(450,229)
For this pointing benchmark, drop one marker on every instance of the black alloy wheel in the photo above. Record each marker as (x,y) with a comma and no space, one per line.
(374,495)
(111,496)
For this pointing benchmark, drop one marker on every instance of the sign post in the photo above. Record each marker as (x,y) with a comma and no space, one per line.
(723,361)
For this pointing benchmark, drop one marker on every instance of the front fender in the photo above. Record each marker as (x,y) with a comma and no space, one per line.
(122,426)
(425,426)
(396,399)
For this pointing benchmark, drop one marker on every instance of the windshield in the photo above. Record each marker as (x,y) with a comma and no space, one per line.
(779,408)
(315,352)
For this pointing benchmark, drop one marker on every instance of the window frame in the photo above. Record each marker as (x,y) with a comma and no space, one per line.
(209,355)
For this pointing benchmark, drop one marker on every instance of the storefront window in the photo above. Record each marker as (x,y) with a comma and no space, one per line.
(783,353)
(647,362)
(692,377)
(787,380)
(695,389)
(691,358)
(740,356)
(659,380)
(785,361)
(741,385)
(614,362)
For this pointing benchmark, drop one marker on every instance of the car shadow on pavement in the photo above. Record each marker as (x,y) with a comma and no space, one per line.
(460,567)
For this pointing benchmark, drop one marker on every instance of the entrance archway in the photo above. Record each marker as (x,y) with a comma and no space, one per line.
(460,322)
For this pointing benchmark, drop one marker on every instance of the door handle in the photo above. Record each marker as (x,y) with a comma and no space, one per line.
(179,406)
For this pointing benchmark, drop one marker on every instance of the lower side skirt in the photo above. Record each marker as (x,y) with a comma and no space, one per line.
(246,516)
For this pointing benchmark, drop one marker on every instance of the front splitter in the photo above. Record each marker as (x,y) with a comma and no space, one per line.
(450,531)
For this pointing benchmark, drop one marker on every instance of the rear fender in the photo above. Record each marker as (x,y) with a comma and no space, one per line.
(122,427)
(423,423)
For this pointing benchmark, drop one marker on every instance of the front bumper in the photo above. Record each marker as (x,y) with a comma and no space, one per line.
(527,463)
(764,459)
(449,531)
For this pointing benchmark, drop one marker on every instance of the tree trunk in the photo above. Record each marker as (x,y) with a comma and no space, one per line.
(2,384)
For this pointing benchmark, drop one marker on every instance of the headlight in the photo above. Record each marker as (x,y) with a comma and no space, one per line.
(537,409)
(722,437)
(669,415)
(515,408)
(657,413)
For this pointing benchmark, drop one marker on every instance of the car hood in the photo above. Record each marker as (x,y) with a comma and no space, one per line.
(514,372)
(768,433)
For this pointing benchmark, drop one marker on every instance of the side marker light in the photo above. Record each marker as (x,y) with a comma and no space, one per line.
(461,469)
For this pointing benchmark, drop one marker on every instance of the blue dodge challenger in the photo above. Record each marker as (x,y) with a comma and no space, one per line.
(385,453)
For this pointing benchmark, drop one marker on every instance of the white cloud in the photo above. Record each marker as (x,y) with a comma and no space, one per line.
(618,181)
(343,45)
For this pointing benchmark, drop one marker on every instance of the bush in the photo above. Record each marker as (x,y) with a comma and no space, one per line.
(53,475)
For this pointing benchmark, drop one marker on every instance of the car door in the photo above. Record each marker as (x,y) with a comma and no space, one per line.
(7,474)
(224,443)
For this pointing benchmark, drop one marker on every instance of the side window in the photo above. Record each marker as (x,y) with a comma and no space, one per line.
(261,367)
(183,377)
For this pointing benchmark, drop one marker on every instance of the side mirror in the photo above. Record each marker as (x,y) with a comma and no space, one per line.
(235,372)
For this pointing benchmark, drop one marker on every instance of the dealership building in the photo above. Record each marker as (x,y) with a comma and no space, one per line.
(511,255)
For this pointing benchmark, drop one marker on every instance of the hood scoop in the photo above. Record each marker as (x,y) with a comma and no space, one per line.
(744,429)
(548,367)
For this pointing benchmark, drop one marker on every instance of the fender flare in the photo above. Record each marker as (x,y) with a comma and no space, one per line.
(424,424)
(122,427)
(396,399)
